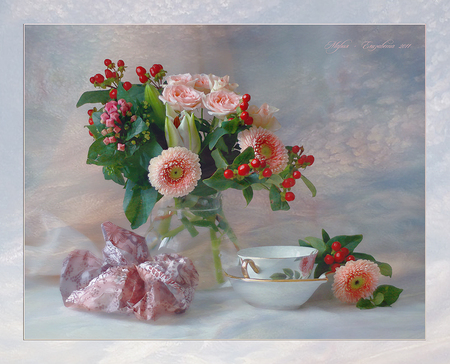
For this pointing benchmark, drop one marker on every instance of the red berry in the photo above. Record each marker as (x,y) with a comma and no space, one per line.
(336,246)
(91,122)
(328,259)
(228,173)
(143,78)
(335,266)
(243,106)
(295,149)
(140,70)
(249,121)
(113,93)
(289,196)
(350,257)
(153,72)
(339,257)
(302,160)
(127,85)
(244,115)
(157,67)
(267,173)
(344,251)
(255,163)
(243,169)
(263,164)
(246,97)
(107,62)
(99,78)
(296,174)
(310,159)
(92,79)
(288,183)
(120,63)
(108,73)
(90,111)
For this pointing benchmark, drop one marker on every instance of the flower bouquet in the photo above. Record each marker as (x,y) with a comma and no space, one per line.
(187,137)
(356,274)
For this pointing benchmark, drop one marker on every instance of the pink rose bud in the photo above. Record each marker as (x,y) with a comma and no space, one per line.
(122,102)
(110,123)
(112,139)
(116,129)
(120,147)
(133,118)
(106,141)
(124,110)
(104,132)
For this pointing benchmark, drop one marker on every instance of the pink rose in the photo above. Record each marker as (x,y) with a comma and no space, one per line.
(221,103)
(181,97)
(202,82)
(263,117)
(184,79)
(218,83)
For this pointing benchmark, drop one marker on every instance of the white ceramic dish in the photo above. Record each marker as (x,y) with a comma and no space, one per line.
(287,294)
(267,262)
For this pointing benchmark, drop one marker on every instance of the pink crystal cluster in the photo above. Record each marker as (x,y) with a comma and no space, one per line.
(128,280)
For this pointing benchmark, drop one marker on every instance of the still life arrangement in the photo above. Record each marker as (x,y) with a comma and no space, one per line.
(175,142)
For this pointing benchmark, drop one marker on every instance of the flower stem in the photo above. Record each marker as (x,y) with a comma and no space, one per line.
(215,244)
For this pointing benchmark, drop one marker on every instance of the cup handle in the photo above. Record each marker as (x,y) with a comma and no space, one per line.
(245,263)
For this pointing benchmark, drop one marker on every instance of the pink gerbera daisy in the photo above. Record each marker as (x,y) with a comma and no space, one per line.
(355,280)
(267,146)
(175,172)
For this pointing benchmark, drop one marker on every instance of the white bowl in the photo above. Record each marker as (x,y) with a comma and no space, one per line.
(273,294)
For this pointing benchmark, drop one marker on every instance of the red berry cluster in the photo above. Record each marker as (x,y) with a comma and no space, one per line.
(255,166)
(242,110)
(113,75)
(338,256)
(296,160)
(156,72)
(91,121)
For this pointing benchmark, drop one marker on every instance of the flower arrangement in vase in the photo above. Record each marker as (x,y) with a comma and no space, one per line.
(187,137)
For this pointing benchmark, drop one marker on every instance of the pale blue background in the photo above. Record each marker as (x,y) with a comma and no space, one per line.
(434,14)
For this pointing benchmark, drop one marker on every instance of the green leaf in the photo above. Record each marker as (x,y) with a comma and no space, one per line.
(137,127)
(365,304)
(205,223)
(114,174)
(94,97)
(390,293)
(135,93)
(214,137)
(278,276)
(296,275)
(275,200)
(385,269)
(244,157)
(321,268)
(303,243)
(325,236)
(248,194)
(378,298)
(203,190)
(220,183)
(363,256)
(148,151)
(138,203)
(289,272)
(219,159)
(317,244)
(349,241)
(309,184)
(231,126)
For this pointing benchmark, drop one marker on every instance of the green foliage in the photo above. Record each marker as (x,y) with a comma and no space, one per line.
(94,97)
(384,296)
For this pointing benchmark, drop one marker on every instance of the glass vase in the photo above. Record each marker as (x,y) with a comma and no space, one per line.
(195,227)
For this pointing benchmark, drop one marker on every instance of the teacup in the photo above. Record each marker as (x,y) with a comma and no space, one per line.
(277,262)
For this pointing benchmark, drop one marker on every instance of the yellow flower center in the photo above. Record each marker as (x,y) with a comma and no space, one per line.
(176,173)
(357,282)
(266,151)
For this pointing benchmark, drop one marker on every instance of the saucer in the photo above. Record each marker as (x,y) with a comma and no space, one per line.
(286,294)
